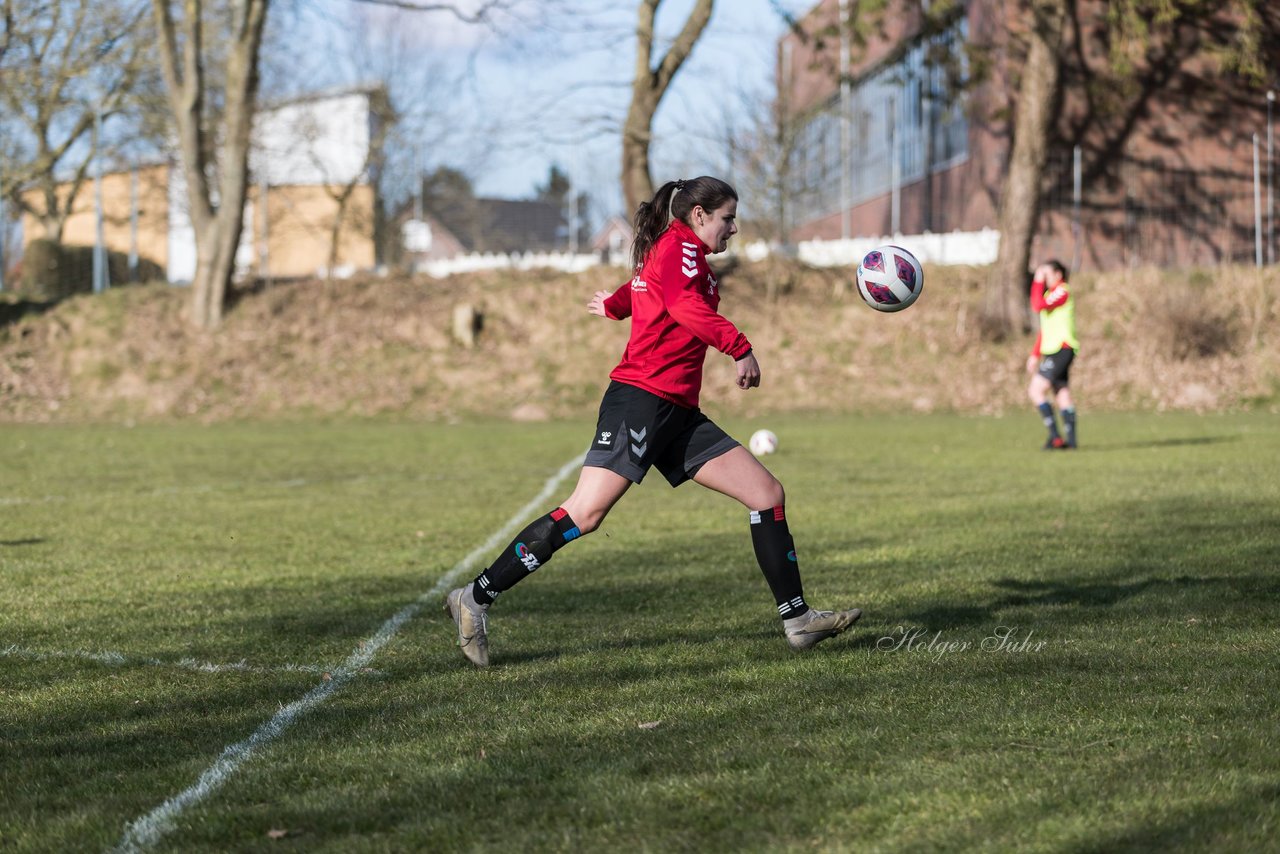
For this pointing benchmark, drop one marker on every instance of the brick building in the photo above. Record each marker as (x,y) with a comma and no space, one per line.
(1165,171)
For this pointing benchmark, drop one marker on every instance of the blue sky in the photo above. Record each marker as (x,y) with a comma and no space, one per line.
(528,98)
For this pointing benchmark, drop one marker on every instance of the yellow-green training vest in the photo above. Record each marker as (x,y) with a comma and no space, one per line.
(1058,327)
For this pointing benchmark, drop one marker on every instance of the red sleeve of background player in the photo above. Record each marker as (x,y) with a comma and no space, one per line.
(1037,294)
(1042,301)
(618,304)
(687,307)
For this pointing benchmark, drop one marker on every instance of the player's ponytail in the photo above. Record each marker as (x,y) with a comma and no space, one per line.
(675,200)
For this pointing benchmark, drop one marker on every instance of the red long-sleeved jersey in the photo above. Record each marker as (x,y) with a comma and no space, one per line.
(672,304)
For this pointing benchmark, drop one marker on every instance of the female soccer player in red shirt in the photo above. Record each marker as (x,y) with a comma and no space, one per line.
(649,416)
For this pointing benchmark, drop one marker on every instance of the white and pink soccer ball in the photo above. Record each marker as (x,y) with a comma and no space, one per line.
(889,278)
(763,442)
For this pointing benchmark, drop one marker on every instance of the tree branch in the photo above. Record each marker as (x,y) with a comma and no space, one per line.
(479,17)
(683,45)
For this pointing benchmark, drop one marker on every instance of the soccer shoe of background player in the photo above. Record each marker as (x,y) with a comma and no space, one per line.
(814,626)
(473,627)
(1054,443)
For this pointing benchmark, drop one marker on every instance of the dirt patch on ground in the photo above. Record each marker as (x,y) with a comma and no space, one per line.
(383,346)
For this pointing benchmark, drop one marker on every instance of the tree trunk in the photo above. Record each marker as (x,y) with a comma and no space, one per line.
(637,179)
(648,85)
(217,214)
(343,200)
(1004,303)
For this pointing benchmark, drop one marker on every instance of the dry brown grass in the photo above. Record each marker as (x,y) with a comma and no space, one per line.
(372,346)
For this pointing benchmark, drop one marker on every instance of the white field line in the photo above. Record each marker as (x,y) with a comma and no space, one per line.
(146,831)
(119,659)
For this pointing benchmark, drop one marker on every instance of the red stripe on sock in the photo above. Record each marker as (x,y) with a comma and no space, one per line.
(778,514)
(558,514)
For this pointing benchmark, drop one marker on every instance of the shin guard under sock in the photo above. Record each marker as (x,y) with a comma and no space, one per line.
(1069,425)
(1046,413)
(776,553)
(531,548)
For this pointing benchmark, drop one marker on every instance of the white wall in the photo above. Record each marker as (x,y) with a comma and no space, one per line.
(181,268)
(319,141)
(324,140)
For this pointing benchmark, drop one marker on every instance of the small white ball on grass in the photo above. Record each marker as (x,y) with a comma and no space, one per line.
(763,442)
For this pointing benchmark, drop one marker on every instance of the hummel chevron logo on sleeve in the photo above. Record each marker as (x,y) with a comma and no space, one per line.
(690,259)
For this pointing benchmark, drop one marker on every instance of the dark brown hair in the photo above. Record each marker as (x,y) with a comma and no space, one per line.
(676,200)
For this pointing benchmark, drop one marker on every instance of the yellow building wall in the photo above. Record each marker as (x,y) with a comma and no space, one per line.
(117,194)
(299,224)
(300,230)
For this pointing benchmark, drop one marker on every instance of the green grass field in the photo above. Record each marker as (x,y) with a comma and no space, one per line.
(168,591)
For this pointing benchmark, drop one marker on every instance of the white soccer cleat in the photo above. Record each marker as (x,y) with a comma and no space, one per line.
(473,626)
(815,626)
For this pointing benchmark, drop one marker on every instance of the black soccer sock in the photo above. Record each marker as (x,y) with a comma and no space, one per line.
(776,552)
(1069,425)
(1046,413)
(531,548)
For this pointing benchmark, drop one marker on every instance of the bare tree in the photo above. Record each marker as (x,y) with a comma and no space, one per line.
(1240,35)
(412,117)
(63,65)
(214,146)
(648,85)
(762,140)
(1019,211)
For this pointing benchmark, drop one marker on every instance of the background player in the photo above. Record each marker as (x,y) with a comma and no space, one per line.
(1050,361)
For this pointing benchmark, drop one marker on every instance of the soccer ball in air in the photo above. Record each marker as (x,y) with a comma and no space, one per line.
(890,278)
(763,442)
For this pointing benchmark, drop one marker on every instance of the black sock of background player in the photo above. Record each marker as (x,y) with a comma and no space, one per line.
(531,548)
(776,553)
(1046,415)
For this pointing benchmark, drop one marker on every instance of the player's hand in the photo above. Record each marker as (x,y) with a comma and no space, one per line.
(748,371)
(1032,362)
(596,306)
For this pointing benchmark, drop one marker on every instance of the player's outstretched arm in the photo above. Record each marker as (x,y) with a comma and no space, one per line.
(615,306)
(748,371)
(596,305)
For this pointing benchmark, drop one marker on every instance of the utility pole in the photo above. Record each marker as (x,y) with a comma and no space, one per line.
(99,244)
(133,224)
(1271,208)
(846,172)
(1077,177)
(4,234)
(573,218)
(1257,206)
(264,228)
(417,183)
(895,176)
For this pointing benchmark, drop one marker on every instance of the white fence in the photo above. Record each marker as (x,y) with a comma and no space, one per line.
(976,247)
(565,261)
(957,247)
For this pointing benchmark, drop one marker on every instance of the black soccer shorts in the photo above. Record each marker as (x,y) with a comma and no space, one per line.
(637,429)
(1056,367)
